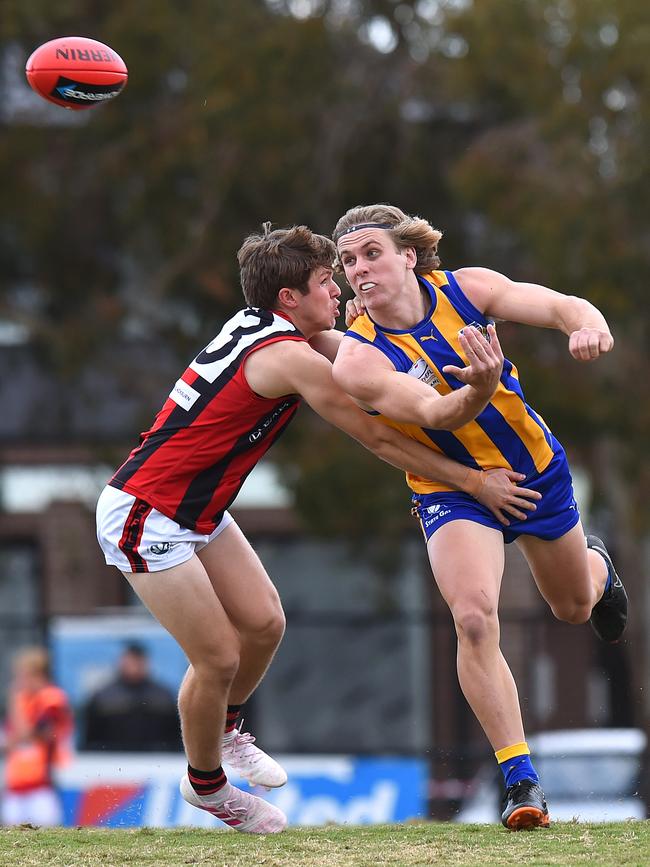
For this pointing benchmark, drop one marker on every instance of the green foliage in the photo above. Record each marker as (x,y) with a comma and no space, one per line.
(520,127)
(153,193)
(565,172)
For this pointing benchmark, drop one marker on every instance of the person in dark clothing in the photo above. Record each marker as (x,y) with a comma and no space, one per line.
(132,712)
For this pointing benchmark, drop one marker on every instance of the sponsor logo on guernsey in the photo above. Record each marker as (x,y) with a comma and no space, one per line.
(421,370)
(482,328)
(184,395)
(268,422)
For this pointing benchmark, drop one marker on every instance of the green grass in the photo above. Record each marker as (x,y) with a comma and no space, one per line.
(410,845)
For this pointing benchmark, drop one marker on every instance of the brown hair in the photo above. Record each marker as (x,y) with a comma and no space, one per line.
(281,258)
(406,231)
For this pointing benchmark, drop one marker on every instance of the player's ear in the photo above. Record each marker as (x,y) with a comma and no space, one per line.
(287,297)
(411,256)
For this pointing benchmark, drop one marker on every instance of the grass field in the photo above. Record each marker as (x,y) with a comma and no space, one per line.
(410,845)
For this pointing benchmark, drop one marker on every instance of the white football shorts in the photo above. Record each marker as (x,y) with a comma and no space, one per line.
(135,537)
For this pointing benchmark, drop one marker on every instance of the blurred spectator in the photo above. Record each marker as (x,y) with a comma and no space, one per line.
(132,712)
(37,740)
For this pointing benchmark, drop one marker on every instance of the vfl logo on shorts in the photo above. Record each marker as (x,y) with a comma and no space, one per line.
(161,548)
(432,514)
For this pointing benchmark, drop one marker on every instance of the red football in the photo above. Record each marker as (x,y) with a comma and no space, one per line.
(76,72)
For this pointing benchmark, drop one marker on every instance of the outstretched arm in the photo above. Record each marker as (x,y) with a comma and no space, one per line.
(531,304)
(327,343)
(368,376)
(287,367)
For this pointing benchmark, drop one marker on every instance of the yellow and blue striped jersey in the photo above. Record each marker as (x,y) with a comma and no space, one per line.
(508,433)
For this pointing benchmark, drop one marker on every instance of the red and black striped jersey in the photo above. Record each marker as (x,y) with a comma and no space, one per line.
(212,429)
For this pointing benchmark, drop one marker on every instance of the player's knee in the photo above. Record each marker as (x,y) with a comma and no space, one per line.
(276,625)
(477,626)
(269,627)
(265,625)
(218,664)
(572,611)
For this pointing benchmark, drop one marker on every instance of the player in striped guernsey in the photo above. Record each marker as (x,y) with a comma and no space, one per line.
(412,327)
(163,518)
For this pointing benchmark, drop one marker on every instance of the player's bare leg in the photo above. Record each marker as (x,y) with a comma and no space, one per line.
(184,603)
(251,602)
(183,600)
(570,577)
(467,561)
(254,609)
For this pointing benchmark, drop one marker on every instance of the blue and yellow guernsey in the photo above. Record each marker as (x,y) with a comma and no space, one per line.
(508,433)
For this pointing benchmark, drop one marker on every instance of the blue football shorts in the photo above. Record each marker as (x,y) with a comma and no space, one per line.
(556,513)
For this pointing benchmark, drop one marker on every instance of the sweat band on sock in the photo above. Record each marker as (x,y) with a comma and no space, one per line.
(206,782)
(511,752)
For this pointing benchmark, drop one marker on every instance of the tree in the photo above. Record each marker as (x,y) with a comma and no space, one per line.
(517,125)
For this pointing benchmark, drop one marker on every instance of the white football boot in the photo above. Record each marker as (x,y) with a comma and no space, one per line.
(238,809)
(250,762)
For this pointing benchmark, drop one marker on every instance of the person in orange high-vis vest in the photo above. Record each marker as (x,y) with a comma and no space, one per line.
(38,731)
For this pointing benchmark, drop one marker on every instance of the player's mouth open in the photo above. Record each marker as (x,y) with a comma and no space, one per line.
(363,287)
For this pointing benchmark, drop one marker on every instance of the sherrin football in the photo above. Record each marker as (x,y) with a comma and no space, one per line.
(76,72)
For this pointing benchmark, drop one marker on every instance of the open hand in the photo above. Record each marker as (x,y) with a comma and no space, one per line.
(500,493)
(587,344)
(485,360)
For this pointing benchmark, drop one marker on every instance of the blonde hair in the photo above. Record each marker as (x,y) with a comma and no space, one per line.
(279,258)
(405,230)
(35,660)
